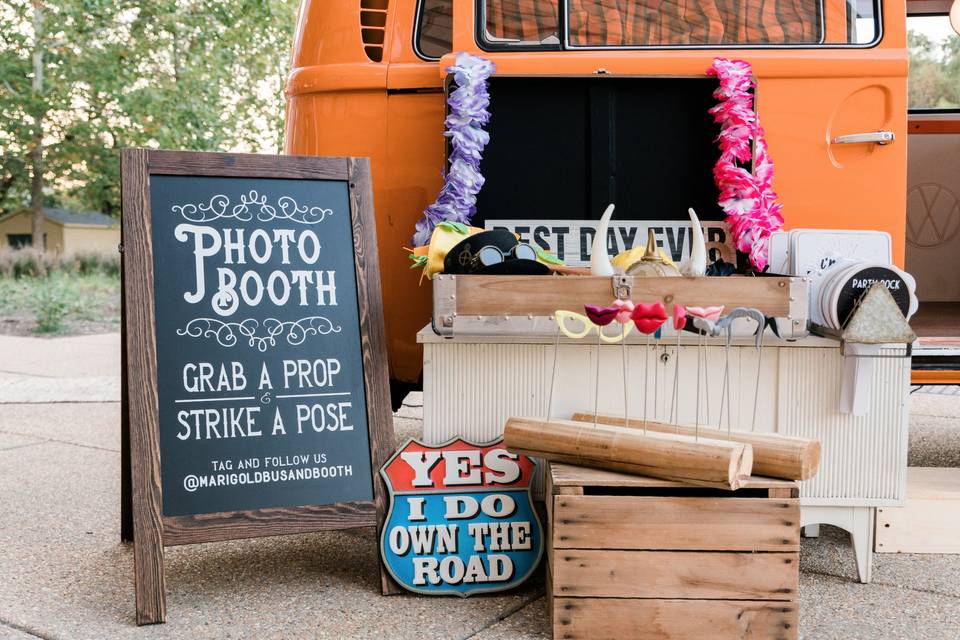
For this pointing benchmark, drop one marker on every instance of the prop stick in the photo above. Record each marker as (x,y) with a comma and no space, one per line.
(703,319)
(553,372)
(774,456)
(648,318)
(756,387)
(596,372)
(711,463)
(600,317)
(725,392)
(679,322)
(726,324)
(624,318)
(656,372)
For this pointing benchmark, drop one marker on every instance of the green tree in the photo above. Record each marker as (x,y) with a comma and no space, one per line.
(81,79)
(934,72)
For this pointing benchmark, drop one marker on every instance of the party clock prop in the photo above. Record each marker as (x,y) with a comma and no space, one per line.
(461,518)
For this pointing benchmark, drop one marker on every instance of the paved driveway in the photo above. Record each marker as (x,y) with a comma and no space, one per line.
(64,573)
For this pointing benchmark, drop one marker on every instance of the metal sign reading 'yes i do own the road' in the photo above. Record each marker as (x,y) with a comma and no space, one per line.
(256,388)
(461,518)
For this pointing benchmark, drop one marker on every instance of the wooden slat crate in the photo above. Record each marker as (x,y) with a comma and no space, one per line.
(514,305)
(635,557)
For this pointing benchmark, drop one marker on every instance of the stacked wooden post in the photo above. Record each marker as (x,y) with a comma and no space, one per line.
(774,455)
(711,463)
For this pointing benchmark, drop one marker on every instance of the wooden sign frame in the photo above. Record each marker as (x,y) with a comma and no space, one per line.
(141,496)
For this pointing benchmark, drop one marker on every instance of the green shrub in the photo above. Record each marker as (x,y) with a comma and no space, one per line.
(30,263)
(51,304)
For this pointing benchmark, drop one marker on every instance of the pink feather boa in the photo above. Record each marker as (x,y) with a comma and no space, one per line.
(748,199)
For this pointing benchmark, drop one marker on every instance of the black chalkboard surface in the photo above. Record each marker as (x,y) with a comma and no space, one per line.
(255,396)
(259,368)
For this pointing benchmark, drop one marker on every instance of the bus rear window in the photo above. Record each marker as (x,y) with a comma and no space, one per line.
(511,23)
(680,23)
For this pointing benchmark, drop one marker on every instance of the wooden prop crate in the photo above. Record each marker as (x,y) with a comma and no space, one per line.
(524,305)
(636,557)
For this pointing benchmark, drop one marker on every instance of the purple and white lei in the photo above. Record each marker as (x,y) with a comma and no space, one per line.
(457,201)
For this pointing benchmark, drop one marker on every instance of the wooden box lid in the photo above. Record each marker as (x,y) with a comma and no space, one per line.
(566,475)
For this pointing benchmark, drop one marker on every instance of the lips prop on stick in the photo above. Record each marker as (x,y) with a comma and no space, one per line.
(600,316)
(705,319)
(648,318)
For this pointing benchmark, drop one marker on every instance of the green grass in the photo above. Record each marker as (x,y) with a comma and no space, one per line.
(62,302)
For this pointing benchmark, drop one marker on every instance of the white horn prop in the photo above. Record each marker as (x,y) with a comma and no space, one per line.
(696,266)
(600,264)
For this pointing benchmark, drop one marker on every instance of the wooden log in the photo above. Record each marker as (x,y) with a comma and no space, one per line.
(711,463)
(774,456)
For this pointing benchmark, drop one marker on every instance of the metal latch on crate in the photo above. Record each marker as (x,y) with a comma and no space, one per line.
(622,287)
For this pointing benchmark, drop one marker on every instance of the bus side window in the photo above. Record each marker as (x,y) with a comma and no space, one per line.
(434,36)
(934,78)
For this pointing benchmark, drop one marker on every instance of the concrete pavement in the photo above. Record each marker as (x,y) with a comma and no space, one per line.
(64,574)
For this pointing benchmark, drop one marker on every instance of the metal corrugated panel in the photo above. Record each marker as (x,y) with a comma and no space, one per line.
(474,388)
(863,459)
(470,390)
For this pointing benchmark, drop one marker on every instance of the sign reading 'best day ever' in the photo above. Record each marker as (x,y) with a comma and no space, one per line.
(256,396)
(461,518)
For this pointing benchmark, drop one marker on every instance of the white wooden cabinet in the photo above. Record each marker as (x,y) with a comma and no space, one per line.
(473,384)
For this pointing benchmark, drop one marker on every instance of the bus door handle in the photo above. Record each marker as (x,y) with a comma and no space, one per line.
(878,137)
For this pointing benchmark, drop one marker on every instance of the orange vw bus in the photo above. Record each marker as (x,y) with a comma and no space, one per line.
(598,101)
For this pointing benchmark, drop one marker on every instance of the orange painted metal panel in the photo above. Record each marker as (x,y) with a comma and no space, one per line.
(933,125)
(935,377)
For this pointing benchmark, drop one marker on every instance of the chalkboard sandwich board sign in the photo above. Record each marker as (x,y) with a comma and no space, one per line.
(255,375)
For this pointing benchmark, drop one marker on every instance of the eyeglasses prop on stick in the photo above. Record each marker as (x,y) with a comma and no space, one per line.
(577,326)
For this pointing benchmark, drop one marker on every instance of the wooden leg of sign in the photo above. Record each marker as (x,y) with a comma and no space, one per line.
(388,586)
(374,345)
(148,557)
(141,380)
(126,499)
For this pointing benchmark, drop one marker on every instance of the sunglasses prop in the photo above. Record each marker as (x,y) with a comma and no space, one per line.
(489,255)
